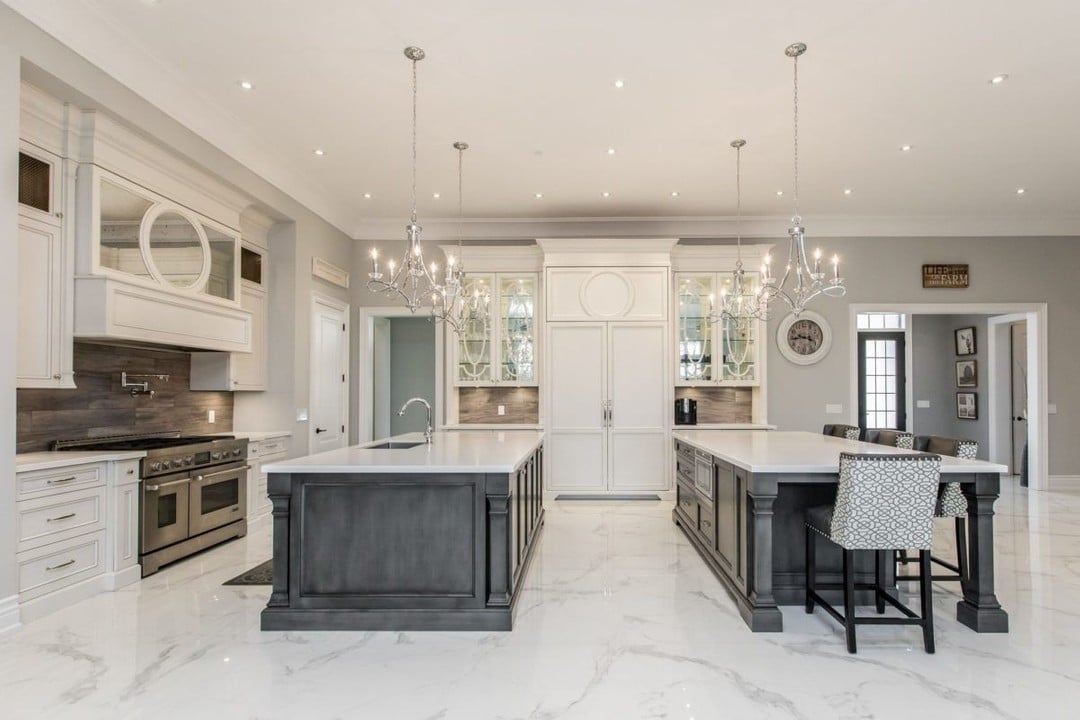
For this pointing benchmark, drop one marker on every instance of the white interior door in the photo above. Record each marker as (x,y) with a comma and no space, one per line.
(329,374)
(1019,415)
(637,360)
(577,379)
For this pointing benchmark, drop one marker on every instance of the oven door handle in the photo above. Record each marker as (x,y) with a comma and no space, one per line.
(155,488)
(200,478)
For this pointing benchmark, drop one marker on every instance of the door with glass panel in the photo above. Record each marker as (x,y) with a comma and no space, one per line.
(882,381)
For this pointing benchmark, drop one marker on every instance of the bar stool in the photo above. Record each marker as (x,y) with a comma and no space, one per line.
(883,502)
(848,432)
(951,503)
(892,438)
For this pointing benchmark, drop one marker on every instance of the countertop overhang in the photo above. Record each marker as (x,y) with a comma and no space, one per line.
(804,452)
(478,451)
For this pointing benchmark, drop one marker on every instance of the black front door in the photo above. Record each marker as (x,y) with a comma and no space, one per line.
(882,381)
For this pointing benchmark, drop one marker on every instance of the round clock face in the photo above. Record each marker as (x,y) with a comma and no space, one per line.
(804,340)
(805,336)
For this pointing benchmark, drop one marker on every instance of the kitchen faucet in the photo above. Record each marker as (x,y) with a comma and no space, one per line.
(427,431)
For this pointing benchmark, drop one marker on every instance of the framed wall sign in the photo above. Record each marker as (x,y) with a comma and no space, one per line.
(804,340)
(967,406)
(945,276)
(967,373)
(965,341)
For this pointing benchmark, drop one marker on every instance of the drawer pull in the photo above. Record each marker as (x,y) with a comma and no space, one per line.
(130,471)
(61,565)
(706,523)
(61,480)
(60,517)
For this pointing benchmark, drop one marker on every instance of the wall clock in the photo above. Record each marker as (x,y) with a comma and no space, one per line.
(804,340)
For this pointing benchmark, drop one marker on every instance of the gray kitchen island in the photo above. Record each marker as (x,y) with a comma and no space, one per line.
(405,535)
(741,501)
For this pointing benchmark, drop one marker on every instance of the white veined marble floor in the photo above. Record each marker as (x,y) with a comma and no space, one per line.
(620,619)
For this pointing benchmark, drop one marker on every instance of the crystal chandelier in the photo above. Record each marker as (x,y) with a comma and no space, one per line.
(741,304)
(809,280)
(413,281)
(467,313)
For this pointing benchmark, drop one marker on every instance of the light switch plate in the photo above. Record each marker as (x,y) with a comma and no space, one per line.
(922,403)
(834,409)
(502,409)
(301,415)
(1051,409)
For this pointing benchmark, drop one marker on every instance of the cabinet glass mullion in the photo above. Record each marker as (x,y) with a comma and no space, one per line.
(474,344)
(716,351)
(516,329)
(695,331)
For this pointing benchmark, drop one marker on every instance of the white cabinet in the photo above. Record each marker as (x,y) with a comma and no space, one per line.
(607,293)
(123,524)
(44,350)
(501,349)
(607,428)
(261,453)
(237,371)
(711,350)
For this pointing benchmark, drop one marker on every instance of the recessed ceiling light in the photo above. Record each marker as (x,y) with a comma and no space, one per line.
(367,196)
(1021,191)
(905,148)
(619,83)
(611,151)
(246,85)
(847,191)
(319,151)
(674,193)
(436,195)
(779,193)
(539,196)
(998,79)
(605,194)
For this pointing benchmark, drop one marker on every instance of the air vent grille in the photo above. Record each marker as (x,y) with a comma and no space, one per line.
(35,182)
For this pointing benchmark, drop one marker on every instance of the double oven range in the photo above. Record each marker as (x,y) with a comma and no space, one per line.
(193,494)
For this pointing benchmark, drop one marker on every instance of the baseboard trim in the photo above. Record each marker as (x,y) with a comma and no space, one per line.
(123,578)
(47,604)
(648,496)
(1063,482)
(9,614)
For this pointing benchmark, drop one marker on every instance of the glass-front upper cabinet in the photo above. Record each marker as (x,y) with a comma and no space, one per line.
(714,350)
(143,235)
(501,348)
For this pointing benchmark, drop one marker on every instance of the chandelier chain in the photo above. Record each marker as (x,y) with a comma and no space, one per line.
(414,140)
(796,125)
(460,201)
(738,206)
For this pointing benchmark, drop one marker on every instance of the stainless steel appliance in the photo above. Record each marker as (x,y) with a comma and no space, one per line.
(686,411)
(194,491)
(703,474)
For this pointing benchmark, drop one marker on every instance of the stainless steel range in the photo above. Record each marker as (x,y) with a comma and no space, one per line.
(194,491)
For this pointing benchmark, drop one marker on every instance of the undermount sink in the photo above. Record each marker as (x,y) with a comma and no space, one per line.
(394,445)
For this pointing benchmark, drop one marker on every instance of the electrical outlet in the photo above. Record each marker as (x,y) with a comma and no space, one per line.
(502,409)
(922,403)
(1051,409)
(834,409)
(211,416)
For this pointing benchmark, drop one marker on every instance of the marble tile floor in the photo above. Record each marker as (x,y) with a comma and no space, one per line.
(620,619)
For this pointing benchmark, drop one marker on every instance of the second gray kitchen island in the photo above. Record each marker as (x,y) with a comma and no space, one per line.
(406,535)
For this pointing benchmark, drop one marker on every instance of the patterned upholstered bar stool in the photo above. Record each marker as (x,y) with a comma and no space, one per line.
(848,432)
(951,503)
(892,438)
(883,502)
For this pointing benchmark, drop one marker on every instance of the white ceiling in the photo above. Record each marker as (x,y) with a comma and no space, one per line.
(530,87)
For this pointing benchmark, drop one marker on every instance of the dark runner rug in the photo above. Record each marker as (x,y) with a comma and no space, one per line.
(261,574)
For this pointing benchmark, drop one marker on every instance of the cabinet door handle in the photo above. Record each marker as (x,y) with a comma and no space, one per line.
(61,480)
(57,376)
(58,518)
(61,565)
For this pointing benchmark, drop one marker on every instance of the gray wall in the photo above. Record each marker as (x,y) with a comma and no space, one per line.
(933,378)
(9,214)
(412,372)
(884,270)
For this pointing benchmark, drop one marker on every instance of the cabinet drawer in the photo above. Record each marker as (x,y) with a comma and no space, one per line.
(51,518)
(59,480)
(60,564)
(687,503)
(272,447)
(707,524)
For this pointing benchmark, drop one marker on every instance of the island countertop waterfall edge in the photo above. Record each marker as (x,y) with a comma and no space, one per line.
(431,537)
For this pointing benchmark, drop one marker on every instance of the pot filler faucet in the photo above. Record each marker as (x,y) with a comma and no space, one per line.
(429,429)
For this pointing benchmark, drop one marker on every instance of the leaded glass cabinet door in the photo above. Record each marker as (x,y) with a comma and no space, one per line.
(517,329)
(474,343)
(695,331)
(739,341)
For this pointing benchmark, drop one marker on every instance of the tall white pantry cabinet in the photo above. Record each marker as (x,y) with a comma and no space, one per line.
(607,362)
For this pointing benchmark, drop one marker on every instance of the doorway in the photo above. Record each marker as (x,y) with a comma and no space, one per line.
(329,414)
(1011,412)
(882,380)
(399,358)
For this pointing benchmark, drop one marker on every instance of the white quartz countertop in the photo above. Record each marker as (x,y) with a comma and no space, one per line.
(25,462)
(257,435)
(493,426)
(490,451)
(725,426)
(803,452)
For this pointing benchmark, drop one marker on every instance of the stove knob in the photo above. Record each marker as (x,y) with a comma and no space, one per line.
(187,461)
(215,456)
(154,467)
(236,452)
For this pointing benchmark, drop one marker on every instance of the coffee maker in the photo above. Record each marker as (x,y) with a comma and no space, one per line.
(686,411)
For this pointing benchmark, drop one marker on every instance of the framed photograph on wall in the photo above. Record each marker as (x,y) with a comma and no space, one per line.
(967,373)
(967,407)
(965,341)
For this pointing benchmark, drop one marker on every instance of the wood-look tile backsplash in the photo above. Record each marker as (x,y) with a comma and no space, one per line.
(100,407)
(480,405)
(720,404)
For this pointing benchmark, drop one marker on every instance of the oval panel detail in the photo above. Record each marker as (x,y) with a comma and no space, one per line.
(607,294)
